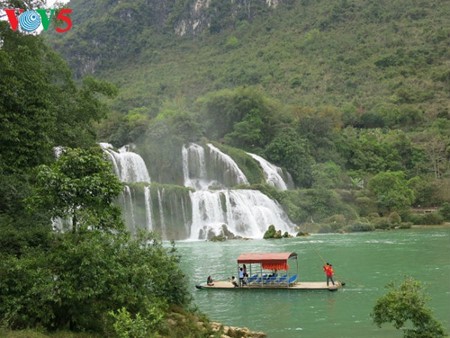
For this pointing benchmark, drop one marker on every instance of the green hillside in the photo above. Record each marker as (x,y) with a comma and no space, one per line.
(350,96)
(364,57)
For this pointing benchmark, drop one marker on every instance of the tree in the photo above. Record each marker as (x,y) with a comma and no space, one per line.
(291,151)
(40,107)
(391,190)
(404,304)
(79,185)
(87,276)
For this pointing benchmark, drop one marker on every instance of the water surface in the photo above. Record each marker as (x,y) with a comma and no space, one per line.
(366,262)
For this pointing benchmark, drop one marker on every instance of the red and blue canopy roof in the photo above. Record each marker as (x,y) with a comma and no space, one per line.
(269,261)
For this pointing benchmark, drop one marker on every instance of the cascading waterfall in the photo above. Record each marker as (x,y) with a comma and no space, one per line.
(177,213)
(148,208)
(161,213)
(245,213)
(194,167)
(231,174)
(274,175)
(129,166)
(129,208)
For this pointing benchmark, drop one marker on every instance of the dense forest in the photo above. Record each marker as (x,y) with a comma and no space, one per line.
(350,96)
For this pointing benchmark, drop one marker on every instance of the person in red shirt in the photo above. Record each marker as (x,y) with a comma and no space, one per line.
(328,269)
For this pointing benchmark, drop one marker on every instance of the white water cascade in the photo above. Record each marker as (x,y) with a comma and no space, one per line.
(231,172)
(194,167)
(201,212)
(274,175)
(129,166)
(245,213)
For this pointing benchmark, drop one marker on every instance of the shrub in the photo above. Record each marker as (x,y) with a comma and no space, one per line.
(382,223)
(394,218)
(432,218)
(360,227)
(86,276)
(406,304)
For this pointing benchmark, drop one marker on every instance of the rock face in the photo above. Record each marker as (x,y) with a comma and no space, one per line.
(118,29)
(203,14)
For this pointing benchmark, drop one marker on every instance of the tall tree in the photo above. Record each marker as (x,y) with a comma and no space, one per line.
(80,186)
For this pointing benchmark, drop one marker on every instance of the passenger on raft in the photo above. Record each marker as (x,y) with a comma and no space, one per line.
(209,281)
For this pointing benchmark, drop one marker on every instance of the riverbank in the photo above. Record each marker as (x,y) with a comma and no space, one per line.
(177,325)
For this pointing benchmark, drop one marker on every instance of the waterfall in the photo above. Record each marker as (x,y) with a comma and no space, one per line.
(246,213)
(161,213)
(148,208)
(272,173)
(197,211)
(129,166)
(231,174)
(129,208)
(194,167)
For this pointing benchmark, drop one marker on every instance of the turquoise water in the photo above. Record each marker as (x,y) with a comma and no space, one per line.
(366,262)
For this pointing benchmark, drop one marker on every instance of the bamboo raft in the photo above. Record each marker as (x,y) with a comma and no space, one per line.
(260,265)
(227,285)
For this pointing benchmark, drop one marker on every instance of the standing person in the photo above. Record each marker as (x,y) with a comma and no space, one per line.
(245,269)
(241,277)
(328,269)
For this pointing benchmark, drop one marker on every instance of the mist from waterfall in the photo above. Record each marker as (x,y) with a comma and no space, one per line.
(204,205)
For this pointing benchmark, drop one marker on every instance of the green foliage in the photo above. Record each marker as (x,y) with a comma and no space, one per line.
(244,117)
(445,211)
(272,233)
(80,186)
(86,276)
(127,327)
(163,141)
(394,218)
(391,191)
(327,175)
(359,227)
(431,218)
(403,304)
(292,152)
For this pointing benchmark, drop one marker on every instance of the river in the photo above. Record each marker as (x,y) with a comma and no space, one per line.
(366,262)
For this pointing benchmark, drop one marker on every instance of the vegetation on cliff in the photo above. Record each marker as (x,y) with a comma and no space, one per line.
(349,96)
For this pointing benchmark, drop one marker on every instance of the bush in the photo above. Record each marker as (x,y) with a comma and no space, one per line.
(445,211)
(273,233)
(432,218)
(404,305)
(382,223)
(359,227)
(86,276)
(394,218)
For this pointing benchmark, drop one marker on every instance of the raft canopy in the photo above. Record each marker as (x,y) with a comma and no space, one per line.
(269,261)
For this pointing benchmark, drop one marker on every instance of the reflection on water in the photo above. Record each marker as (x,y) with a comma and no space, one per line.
(366,262)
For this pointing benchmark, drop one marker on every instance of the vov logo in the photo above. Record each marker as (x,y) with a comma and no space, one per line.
(30,20)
